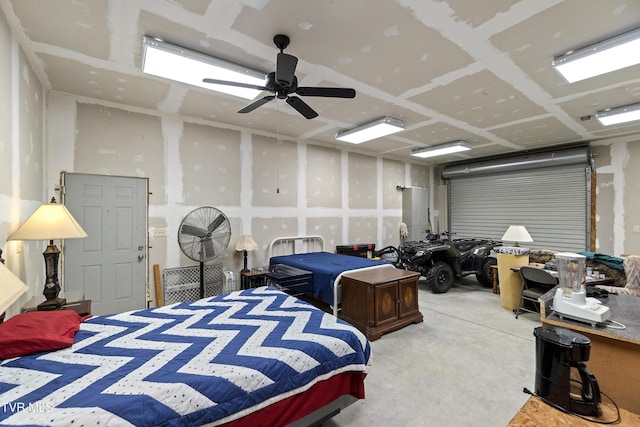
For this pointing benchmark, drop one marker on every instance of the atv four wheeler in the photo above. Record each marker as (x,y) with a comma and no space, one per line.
(440,259)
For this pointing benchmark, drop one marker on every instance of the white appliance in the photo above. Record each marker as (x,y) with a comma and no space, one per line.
(574,305)
(570,300)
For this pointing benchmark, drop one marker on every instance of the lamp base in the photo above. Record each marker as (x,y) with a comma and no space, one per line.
(52,304)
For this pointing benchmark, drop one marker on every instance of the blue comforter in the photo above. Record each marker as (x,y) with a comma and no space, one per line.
(206,361)
(326,267)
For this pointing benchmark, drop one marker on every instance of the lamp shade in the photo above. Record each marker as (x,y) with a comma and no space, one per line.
(246,243)
(11,288)
(51,221)
(517,233)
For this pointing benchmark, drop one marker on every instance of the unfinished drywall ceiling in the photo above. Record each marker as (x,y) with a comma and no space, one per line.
(450,69)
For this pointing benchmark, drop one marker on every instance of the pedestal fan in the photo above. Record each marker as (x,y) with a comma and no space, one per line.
(203,235)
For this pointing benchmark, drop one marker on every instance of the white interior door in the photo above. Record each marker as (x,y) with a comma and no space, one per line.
(110,265)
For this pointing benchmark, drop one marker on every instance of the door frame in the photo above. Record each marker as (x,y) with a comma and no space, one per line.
(62,190)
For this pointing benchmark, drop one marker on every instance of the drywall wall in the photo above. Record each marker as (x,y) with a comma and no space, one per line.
(617,197)
(5,108)
(267,186)
(22,162)
(325,190)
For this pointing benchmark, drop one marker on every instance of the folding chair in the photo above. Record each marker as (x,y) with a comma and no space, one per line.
(535,283)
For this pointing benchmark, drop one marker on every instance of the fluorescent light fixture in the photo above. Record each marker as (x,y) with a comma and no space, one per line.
(372,130)
(187,66)
(609,55)
(613,116)
(441,149)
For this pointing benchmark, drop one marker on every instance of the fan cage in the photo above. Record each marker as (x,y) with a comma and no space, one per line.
(195,218)
(182,284)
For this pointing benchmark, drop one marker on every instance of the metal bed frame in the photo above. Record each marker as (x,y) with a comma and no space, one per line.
(305,244)
(295,245)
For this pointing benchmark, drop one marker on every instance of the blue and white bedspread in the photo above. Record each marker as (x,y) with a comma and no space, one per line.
(208,361)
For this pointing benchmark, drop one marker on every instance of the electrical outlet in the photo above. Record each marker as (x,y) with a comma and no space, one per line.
(160,232)
(636,228)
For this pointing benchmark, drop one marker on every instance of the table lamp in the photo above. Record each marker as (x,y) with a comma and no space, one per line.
(246,244)
(517,233)
(51,221)
(11,288)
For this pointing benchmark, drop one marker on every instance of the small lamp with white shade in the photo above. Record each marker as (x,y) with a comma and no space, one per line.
(246,244)
(517,234)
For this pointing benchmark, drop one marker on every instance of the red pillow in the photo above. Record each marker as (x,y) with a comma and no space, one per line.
(38,331)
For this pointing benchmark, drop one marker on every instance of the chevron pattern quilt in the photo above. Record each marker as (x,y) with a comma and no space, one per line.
(208,361)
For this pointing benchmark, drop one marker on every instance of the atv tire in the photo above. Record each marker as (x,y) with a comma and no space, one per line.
(440,277)
(485,275)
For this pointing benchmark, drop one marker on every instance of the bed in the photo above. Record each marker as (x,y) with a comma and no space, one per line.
(252,357)
(307,253)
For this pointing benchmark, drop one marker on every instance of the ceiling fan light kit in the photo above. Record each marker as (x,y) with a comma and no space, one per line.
(187,66)
(614,116)
(378,128)
(609,55)
(441,149)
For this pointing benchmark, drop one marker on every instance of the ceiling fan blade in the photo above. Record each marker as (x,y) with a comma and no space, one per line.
(330,92)
(193,230)
(236,84)
(302,107)
(285,68)
(249,108)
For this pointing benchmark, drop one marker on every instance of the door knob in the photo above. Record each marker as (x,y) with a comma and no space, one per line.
(140,257)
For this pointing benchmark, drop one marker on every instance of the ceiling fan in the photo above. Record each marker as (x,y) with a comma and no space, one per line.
(283,83)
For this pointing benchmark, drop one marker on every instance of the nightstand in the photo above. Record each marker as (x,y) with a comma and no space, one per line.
(75,302)
(253,278)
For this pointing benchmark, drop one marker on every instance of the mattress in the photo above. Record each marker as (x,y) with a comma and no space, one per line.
(326,268)
(218,360)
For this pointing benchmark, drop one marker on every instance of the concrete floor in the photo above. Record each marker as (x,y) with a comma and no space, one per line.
(465,365)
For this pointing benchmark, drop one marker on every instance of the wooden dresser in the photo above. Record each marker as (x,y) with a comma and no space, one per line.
(380,300)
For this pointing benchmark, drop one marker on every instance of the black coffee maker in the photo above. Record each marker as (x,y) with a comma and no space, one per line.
(558,350)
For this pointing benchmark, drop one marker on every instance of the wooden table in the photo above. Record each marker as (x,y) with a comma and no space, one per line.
(253,278)
(537,413)
(615,353)
(75,302)
(496,283)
